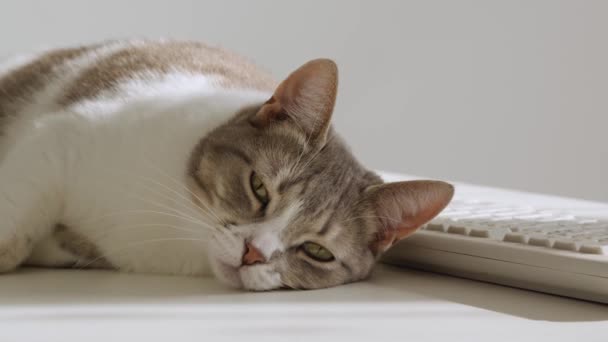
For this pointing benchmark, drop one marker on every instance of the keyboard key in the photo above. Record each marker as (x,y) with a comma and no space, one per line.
(479,232)
(595,248)
(567,245)
(458,230)
(437,227)
(541,241)
(515,237)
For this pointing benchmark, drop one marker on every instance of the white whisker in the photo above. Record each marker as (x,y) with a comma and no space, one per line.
(151,180)
(172,211)
(133,211)
(209,210)
(192,219)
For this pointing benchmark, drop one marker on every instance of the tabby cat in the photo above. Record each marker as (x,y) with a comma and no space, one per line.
(180,158)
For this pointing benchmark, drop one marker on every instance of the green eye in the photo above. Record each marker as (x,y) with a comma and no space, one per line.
(317,252)
(258,188)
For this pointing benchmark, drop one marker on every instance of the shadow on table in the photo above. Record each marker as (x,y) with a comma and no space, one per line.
(498,298)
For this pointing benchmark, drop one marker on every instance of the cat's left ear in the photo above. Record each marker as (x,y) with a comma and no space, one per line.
(403,207)
(306,97)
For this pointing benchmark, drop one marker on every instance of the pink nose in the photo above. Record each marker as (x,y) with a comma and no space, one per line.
(252,255)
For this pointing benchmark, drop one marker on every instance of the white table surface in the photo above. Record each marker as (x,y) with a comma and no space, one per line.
(395,304)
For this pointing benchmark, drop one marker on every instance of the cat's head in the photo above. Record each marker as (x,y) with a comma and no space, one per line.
(295,208)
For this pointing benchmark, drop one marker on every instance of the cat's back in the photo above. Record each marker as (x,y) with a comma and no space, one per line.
(68,77)
(161,98)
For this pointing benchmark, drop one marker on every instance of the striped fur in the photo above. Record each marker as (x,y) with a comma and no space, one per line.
(138,156)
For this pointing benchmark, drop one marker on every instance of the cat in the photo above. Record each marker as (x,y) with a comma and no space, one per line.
(175,157)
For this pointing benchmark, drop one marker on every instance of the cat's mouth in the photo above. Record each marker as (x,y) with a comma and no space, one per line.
(238,263)
(260,277)
(227,274)
(256,277)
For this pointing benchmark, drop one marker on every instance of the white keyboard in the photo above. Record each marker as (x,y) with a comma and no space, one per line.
(527,246)
(525,225)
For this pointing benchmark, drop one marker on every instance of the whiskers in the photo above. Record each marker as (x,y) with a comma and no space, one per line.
(182,186)
(159,199)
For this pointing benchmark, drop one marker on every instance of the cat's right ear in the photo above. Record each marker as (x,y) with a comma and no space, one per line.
(306,97)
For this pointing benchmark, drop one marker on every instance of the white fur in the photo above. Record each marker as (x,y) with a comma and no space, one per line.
(43,101)
(228,248)
(266,237)
(113,168)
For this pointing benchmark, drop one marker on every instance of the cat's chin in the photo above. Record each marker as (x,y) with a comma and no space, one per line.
(260,277)
(227,274)
(253,278)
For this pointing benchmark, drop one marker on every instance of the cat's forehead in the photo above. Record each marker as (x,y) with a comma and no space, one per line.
(330,178)
(279,154)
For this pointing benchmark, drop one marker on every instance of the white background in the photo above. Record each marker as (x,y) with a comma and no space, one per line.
(503,93)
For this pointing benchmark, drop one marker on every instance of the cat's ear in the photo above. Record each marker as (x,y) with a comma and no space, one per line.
(306,97)
(403,207)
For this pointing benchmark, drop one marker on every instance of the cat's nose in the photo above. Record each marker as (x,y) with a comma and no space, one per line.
(252,255)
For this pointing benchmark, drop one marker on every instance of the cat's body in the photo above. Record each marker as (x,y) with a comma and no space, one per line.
(107,135)
(108,156)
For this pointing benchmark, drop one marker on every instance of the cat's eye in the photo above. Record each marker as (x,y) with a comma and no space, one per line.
(317,252)
(258,188)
